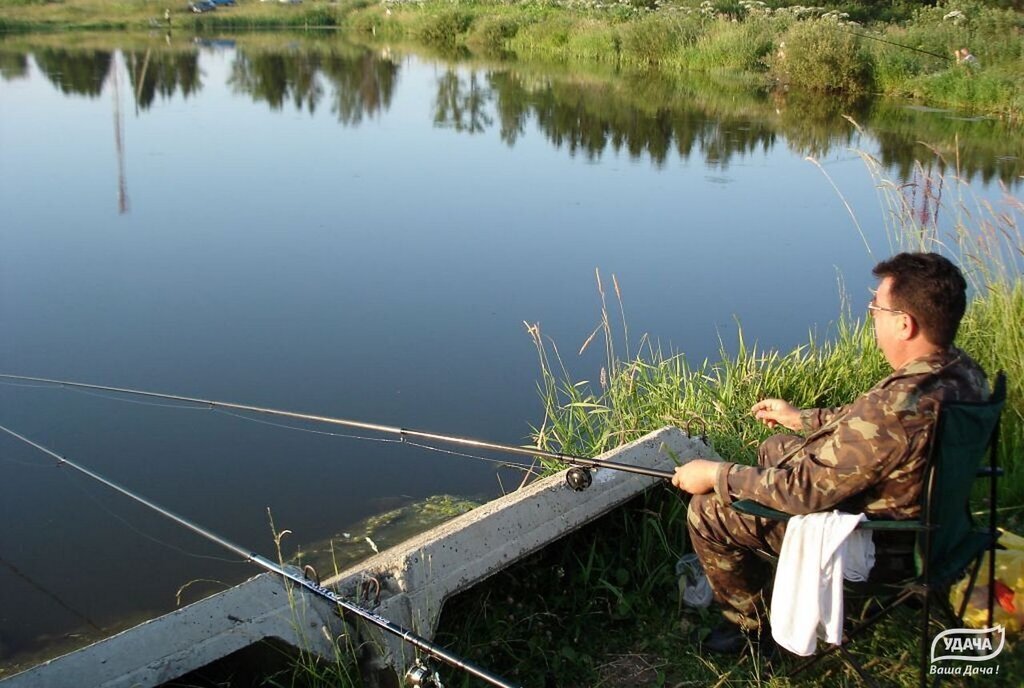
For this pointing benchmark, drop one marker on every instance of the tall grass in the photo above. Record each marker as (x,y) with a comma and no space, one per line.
(571,615)
(636,392)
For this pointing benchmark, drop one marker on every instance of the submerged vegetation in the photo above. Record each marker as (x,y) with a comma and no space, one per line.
(905,49)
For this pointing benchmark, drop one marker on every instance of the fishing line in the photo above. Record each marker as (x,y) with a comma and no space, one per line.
(898,45)
(499,462)
(112,397)
(152,538)
(109,397)
(27,464)
(21,384)
(312,586)
(194,406)
(52,595)
(110,512)
(579,477)
(310,430)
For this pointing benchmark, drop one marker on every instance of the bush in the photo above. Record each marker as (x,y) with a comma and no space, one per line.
(593,40)
(444,30)
(552,32)
(493,33)
(820,55)
(734,45)
(651,39)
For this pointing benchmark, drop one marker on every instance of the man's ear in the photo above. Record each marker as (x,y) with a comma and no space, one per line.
(907,328)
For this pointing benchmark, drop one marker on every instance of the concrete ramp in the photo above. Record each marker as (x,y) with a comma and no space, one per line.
(407,584)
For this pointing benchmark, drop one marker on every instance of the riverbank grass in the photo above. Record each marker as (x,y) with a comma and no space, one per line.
(812,49)
(607,601)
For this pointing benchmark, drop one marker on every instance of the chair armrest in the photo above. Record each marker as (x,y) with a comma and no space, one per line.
(752,508)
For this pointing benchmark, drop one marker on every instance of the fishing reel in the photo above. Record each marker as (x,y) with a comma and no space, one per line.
(579,478)
(422,675)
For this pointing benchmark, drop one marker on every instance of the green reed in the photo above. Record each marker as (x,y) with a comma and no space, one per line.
(638,391)
(610,582)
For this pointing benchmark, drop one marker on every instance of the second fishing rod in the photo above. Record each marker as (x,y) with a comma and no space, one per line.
(578,478)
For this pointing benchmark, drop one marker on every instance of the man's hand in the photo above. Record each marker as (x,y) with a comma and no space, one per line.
(696,476)
(774,412)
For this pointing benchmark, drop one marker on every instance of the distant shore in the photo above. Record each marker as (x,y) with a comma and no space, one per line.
(791,47)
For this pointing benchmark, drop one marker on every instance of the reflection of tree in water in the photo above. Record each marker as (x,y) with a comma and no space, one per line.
(653,115)
(512,113)
(461,103)
(590,118)
(164,73)
(814,125)
(80,72)
(277,77)
(943,142)
(13,65)
(363,84)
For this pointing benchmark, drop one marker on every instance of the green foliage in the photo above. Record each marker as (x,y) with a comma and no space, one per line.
(320,16)
(737,45)
(608,587)
(821,55)
(492,33)
(551,34)
(445,29)
(554,618)
(650,39)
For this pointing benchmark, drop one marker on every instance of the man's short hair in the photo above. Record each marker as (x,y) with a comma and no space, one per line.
(930,288)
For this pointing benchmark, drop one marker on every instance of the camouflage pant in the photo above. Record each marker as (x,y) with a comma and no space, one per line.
(727,543)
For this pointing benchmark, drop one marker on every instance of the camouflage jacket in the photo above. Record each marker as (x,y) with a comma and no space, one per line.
(868,456)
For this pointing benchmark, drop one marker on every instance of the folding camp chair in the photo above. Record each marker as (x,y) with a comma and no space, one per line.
(947,541)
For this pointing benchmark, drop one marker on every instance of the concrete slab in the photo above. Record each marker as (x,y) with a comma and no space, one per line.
(418,575)
(172,645)
(407,584)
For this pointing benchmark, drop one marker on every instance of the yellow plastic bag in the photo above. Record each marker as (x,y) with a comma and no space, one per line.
(1009,599)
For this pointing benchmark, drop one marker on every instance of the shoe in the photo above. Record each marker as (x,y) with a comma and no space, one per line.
(730,639)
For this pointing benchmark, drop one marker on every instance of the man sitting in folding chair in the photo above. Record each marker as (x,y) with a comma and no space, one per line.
(867,457)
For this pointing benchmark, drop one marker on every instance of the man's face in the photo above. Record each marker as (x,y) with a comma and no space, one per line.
(890,323)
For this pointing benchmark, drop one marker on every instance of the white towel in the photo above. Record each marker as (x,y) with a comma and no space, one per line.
(818,550)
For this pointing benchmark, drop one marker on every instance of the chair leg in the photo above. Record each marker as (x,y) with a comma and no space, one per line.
(925,627)
(856,666)
(968,590)
(847,637)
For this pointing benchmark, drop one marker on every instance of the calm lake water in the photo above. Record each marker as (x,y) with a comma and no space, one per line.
(309,225)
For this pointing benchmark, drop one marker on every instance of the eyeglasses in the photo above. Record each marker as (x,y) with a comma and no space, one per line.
(872,306)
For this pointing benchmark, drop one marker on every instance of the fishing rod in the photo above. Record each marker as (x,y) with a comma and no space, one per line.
(417,676)
(898,45)
(578,477)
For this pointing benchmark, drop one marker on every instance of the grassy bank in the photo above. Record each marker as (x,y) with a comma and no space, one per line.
(790,47)
(799,48)
(603,610)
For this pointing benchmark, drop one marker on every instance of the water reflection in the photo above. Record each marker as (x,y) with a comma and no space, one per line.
(75,72)
(153,72)
(364,84)
(274,78)
(13,65)
(462,103)
(648,114)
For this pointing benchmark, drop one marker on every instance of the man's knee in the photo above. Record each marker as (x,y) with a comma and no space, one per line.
(703,511)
